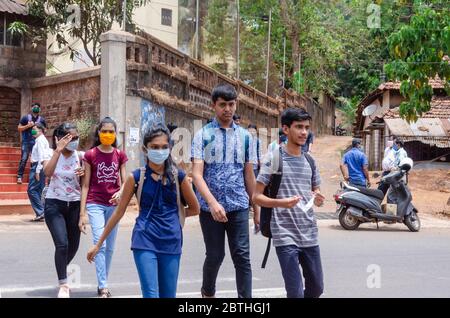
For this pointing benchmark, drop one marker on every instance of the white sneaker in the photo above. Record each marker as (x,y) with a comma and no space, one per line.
(64,291)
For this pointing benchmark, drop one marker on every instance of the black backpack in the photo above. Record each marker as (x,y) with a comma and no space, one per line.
(271,191)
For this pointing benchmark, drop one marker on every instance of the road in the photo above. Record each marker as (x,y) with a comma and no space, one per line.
(390,262)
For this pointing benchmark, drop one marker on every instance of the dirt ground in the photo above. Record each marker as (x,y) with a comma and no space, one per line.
(430,188)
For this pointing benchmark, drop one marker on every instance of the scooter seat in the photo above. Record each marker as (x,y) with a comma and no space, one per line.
(372,192)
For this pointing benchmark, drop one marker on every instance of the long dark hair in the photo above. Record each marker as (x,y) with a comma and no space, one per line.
(106,120)
(61,131)
(152,133)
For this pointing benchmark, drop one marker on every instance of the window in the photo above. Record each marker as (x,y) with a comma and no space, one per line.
(6,38)
(166,17)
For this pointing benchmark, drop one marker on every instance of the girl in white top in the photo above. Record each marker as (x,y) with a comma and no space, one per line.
(62,201)
(37,179)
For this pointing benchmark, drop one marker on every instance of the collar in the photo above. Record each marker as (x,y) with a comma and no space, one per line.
(215,124)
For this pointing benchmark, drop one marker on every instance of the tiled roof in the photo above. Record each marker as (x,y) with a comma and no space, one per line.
(435,83)
(440,108)
(13,6)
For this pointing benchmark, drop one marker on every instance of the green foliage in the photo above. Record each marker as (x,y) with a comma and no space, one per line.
(95,17)
(85,125)
(418,50)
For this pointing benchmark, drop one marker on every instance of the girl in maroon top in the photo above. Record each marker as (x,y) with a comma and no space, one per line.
(105,172)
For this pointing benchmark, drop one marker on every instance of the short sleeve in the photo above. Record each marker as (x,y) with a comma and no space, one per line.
(365,161)
(197,146)
(181,175)
(266,169)
(344,159)
(24,120)
(88,156)
(122,158)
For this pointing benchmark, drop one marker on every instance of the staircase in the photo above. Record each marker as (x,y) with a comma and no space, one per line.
(13,196)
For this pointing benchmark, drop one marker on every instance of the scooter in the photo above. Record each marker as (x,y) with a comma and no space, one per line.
(356,205)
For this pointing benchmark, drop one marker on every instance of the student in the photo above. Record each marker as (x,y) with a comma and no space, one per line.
(294,226)
(62,201)
(26,124)
(223,177)
(308,146)
(355,166)
(105,173)
(36,184)
(157,235)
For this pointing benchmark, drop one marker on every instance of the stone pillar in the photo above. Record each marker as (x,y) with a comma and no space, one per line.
(114,79)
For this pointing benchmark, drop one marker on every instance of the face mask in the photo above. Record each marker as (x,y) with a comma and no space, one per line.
(158,156)
(107,139)
(36,110)
(395,147)
(34,133)
(73,145)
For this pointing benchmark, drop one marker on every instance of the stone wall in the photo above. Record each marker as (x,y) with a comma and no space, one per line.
(23,62)
(68,96)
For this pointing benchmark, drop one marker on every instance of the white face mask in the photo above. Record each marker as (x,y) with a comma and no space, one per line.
(73,145)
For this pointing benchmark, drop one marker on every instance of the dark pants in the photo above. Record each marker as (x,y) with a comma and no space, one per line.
(62,220)
(237,230)
(383,186)
(26,151)
(309,258)
(35,189)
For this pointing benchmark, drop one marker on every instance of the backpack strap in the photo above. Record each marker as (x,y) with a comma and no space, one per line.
(274,186)
(312,164)
(181,212)
(140,184)
(266,254)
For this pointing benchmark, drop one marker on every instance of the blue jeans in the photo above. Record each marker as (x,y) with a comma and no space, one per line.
(35,189)
(158,273)
(26,149)
(98,217)
(290,257)
(237,230)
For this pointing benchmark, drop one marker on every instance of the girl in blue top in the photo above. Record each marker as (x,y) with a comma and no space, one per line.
(157,235)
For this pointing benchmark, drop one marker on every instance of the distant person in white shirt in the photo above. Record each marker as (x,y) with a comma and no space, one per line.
(36,184)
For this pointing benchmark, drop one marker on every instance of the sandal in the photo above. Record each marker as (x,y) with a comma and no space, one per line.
(103,293)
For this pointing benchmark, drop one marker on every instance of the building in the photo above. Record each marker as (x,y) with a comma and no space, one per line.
(158,18)
(426,139)
(19,63)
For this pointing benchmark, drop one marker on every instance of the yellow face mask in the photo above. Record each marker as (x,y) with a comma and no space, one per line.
(107,139)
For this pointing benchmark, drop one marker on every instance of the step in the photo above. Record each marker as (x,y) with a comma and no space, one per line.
(12,187)
(12,164)
(13,196)
(8,207)
(13,170)
(12,178)
(10,157)
(10,150)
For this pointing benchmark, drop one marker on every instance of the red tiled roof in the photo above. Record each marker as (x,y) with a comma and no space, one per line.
(440,108)
(13,6)
(435,83)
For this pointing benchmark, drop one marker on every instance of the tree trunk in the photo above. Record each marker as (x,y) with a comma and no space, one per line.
(293,32)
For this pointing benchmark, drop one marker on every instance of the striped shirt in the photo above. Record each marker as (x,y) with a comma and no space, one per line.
(293,226)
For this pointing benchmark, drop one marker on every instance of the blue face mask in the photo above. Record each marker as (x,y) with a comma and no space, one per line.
(73,145)
(395,147)
(158,156)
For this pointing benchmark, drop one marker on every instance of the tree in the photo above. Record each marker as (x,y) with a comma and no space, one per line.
(82,19)
(418,50)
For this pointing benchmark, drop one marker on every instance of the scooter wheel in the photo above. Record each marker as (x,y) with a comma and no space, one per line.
(348,221)
(412,221)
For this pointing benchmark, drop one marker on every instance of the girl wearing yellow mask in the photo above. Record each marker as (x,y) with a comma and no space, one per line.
(105,172)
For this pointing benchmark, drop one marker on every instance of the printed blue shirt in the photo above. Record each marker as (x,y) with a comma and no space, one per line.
(224,152)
